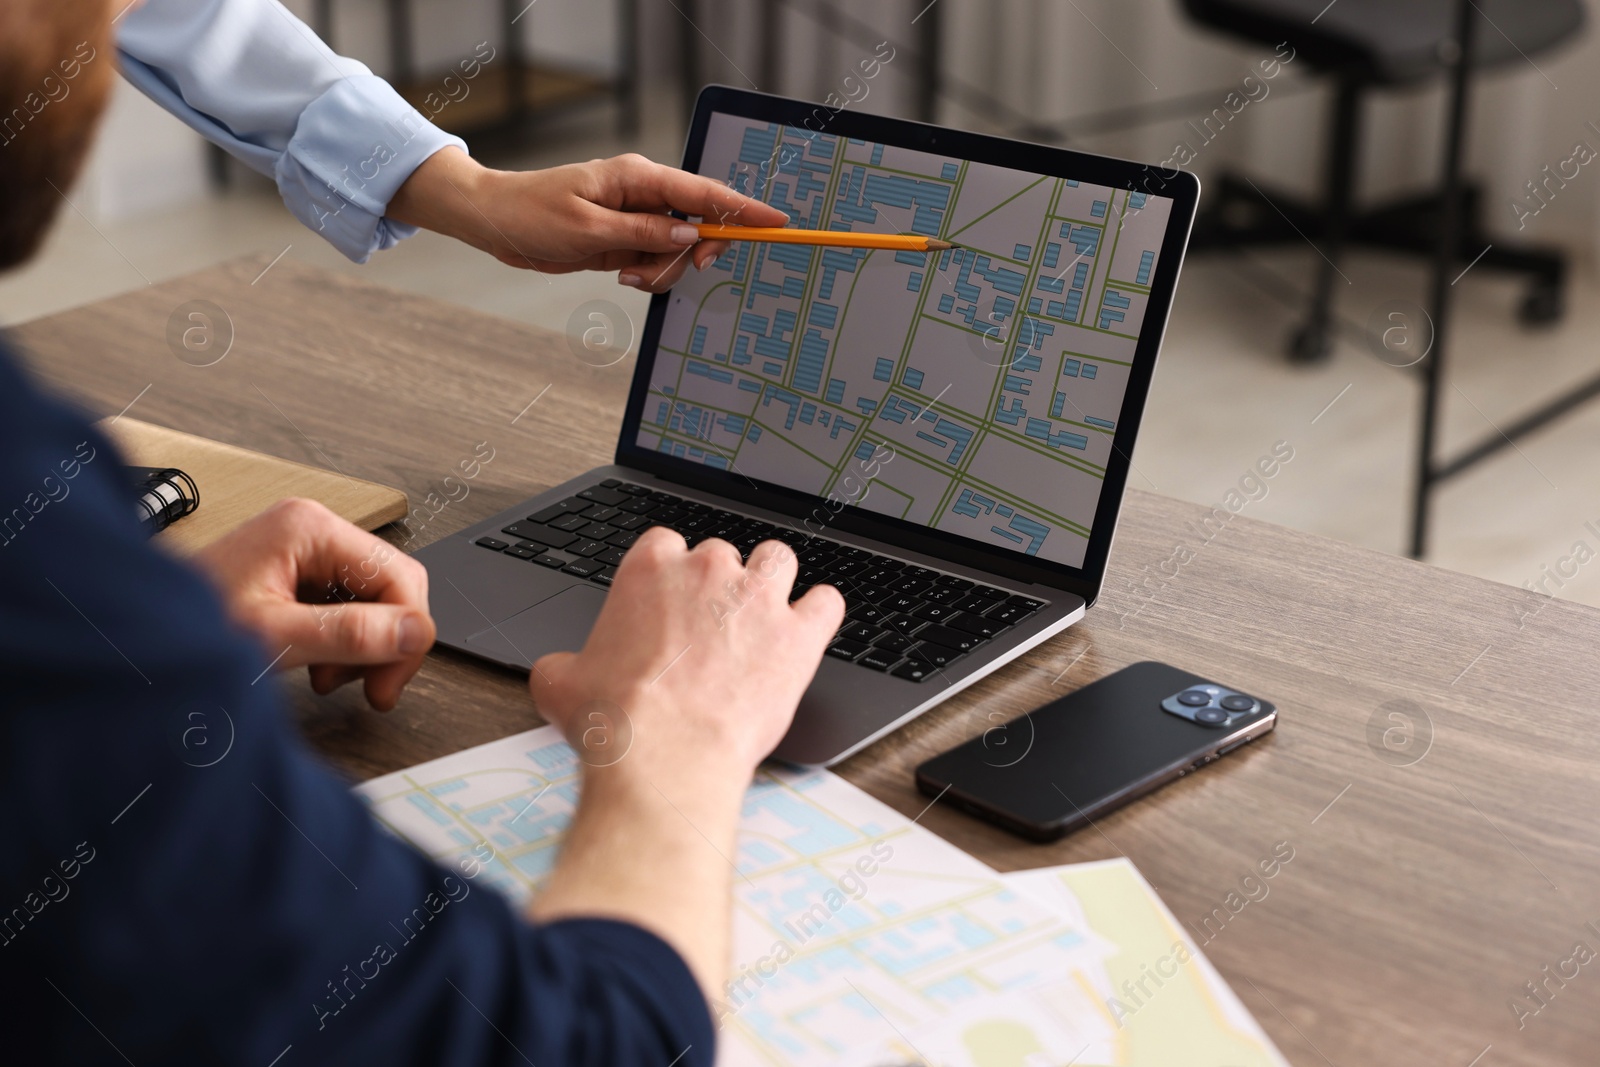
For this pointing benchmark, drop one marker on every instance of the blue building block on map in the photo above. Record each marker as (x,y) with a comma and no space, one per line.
(1105,424)
(1116,299)
(1052,254)
(865,450)
(1014,384)
(772,368)
(835,391)
(1086,239)
(1011,415)
(697,345)
(912,259)
(824,315)
(949,171)
(1136,200)
(877,154)
(753,434)
(808,413)
(1022,251)
(883,370)
(809,363)
(1035,305)
(1069,368)
(1056,309)
(1089,370)
(1055,408)
(946,302)
(912,378)
(1074,302)
(1147,259)
(866,405)
(914,282)
(1080,275)
(1098,209)
(1051,285)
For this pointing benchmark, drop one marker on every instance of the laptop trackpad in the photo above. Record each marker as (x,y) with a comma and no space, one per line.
(560,623)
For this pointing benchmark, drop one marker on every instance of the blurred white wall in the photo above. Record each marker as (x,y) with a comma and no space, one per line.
(1048,60)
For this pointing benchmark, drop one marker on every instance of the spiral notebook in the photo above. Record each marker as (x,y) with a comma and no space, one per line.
(234,484)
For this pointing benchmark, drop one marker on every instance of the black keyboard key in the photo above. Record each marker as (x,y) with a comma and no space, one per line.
(950,581)
(554,538)
(522,553)
(605,577)
(601,495)
(944,636)
(969,623)
(906,624)
(860,631)
(935,655)
(868,613)
(896,643)
(817,557)
(523,531)
(872,659)
(491,542)
(597,531)
(587,548)
(850,552)
(612,483)
(846,649)
(665,498)
(1026,603)
(870,593)
(973,603)
(555,511)
(935,612)
(535,545)
(912,671)
(914,586)
(793,538)
(583,568)
(601,513)
(633,490)
(569,523)
(694,524)
(941,594)
(989,593)
(631,522)
(610,557)
(668,515)
(900,602)
(878,574)
(920,572)
(1008,613)
(547,560)
(846,568)
(623,540)
(639,506)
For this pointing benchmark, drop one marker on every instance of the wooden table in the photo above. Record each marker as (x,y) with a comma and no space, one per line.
(1423,893)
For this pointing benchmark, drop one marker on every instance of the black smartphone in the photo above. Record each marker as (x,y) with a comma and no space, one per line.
(1060,766)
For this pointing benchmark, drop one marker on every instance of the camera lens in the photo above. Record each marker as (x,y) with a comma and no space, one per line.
(1237,702)
(1211,716)
(1194,698)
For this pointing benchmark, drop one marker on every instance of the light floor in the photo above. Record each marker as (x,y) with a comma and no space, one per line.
(1223,395)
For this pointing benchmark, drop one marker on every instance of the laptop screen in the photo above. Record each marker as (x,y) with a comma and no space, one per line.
(974,390)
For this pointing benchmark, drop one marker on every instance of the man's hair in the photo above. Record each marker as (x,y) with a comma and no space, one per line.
(55,73)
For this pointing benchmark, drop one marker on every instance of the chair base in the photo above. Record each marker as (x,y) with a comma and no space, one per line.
(1241,215)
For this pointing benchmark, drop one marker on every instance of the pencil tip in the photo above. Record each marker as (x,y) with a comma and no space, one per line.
(935,245)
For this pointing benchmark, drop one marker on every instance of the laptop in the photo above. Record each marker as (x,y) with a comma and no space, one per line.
(944,436)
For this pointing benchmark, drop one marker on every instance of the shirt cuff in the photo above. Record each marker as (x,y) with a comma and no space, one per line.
(353,148)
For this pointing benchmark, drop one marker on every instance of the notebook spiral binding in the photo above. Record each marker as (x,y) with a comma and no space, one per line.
(166,495)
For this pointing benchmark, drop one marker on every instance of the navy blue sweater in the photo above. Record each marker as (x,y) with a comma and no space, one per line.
(157,910)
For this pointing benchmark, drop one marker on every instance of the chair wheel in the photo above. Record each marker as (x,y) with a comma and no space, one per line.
(1542,305)
(1310,344)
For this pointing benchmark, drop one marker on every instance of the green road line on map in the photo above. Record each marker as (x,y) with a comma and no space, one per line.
(1032,444)
(1096,359)
(844,312)
(997,207)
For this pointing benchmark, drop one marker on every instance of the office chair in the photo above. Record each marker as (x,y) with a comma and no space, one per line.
(1379,44)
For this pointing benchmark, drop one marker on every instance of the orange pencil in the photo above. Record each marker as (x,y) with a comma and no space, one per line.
(897,242)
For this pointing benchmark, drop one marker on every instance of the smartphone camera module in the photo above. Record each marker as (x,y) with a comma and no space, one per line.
(1211,705)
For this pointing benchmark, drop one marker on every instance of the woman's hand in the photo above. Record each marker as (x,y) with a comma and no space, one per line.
(330,595)
(607,214)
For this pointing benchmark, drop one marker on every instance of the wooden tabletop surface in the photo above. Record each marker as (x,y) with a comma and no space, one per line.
(1436,769)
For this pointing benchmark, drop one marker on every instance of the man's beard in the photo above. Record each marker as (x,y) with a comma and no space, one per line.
(44,138)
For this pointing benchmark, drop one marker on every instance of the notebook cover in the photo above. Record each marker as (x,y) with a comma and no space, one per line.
(236,483)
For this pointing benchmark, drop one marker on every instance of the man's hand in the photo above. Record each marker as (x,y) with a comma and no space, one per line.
(688,680)
(607,214)
(333,597)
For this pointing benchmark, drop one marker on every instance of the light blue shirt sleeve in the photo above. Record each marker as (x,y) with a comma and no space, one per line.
(251,77)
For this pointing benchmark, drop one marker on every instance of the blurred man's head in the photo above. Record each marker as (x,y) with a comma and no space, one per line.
(56,64)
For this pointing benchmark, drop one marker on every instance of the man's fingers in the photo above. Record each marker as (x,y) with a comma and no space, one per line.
(708,252)
(343,561)
(776,565)
(358,632)
(822,608)
(648,186)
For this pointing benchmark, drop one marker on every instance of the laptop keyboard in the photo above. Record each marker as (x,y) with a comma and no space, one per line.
(902,619)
